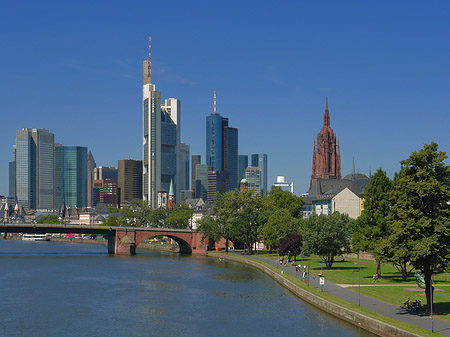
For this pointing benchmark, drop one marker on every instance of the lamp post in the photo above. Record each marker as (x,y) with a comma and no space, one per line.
(431,296)
(359,283)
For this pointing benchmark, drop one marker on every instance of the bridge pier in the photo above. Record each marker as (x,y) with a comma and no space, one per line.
(112,244)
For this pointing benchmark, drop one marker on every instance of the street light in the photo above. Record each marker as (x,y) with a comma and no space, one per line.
(359,283)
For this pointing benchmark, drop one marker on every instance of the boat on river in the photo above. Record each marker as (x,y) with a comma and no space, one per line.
(36,237)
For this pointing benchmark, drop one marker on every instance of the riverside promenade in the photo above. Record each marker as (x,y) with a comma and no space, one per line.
(386,309)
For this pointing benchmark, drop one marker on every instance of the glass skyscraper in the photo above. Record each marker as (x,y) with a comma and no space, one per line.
(71,176)
(260,160)
(34,170)
(243,164)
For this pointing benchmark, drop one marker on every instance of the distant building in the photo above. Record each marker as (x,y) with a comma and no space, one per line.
(105,191)
(186,194)
(243,164)
(195,160)
(184,167)
(222,146)
(260,160)
(285,186)
(217,183)
(253,177)
(91,165)
(161,140)
(105,172)
(129,180)
(33,155)
(201,174)
(71,177)
(326,155)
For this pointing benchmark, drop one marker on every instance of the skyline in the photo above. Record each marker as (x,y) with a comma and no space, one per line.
(76,71)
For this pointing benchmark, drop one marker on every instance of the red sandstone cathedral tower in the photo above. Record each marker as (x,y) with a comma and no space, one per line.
(326,157)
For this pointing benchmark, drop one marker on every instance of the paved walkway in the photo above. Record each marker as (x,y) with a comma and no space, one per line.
(386,309)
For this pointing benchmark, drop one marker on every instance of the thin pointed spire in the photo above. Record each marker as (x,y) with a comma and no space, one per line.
(215,102)
(149,69)
(326,116)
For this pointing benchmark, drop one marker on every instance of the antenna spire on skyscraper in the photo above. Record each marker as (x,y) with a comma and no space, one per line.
(149,74)
(215,102)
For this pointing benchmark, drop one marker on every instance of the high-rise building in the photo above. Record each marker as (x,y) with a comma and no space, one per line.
(34,168)
(12,180)
(130,179)
(243,164)
(91,165)
(253,177)
(260,160)
(217,183)
(161,139)
(71,176)
(222,146)
(201,173)
(326,155)
(105,191)
(105,172)
(195,159)
(184,172)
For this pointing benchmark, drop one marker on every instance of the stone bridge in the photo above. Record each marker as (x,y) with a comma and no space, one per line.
(121,240)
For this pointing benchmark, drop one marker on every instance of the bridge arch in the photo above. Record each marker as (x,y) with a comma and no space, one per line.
(185,247)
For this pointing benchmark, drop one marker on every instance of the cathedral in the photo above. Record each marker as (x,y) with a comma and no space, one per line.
(326,156)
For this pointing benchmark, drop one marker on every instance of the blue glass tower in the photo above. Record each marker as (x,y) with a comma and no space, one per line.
(214,141)
(243,164)
(260,160)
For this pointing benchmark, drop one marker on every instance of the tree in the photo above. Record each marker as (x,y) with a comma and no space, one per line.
(135,214)
(421,212)
(49,219)
(276,198)
(290,245)
(279,224)
(179,217)
(327,236)
(372,225)
(210,227)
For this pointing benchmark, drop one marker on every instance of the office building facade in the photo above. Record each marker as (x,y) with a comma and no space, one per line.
(253,177)
(185,167)
(260,160)
(34,168)
(161,140)
(129,180)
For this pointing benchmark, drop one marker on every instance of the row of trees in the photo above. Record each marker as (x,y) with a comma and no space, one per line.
(139,214)
(407,221)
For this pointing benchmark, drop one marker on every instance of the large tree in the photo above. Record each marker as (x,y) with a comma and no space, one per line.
(327,236)
(290,245)
(421,211)
(135,214)
(372,225)
(179,217)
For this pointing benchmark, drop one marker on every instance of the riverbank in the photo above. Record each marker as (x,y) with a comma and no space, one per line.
(355,314)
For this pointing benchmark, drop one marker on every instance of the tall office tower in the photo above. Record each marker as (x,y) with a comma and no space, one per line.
(130,180)
(217,183)
(12,179)
(222,146)
(71,176)
(231,157)
(34,156)
(243,164)
(195,159)
(326,155)
(161,139)
(201,173)
(91,165)
(260,160)
(253,177)
(105,172)
(184,172)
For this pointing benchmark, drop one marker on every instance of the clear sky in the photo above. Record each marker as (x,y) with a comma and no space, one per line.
(75,68)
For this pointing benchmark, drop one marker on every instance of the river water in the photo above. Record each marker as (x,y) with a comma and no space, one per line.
(70,289)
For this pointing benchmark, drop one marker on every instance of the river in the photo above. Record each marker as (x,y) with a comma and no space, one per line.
(71,289)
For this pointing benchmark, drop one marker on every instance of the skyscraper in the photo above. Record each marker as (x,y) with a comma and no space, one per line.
(260,160)
(71,176)
(222,146)
(130,179)
(161,139)
(34,168)
(201,173)
(91,165)
(326,155)
(184,172)
(105,172)
(253,177)
(243,164)
(195,159)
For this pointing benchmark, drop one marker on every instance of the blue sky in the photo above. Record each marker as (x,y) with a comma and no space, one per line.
(74,68)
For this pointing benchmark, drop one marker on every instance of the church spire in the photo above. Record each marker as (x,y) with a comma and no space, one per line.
(326,116)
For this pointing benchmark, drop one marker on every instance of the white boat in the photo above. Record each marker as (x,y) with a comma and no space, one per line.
(36,237)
